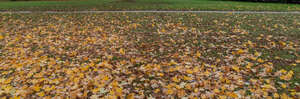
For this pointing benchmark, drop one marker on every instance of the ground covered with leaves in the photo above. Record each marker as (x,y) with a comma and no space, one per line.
(143,55)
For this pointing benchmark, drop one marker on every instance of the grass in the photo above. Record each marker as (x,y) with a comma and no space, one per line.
(72,5)
(133,50)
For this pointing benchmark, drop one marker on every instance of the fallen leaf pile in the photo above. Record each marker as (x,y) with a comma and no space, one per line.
(154,55)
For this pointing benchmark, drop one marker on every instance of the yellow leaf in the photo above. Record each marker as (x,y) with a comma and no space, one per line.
(253,58)
(284,96)
(16,97)
(109,57)
(133,60)
(268,86)
(105,78)
(282,71)
(85,68)
(135,25)
(49,88)
(249,65)
(181,93)
(175,79)
(260,60)
(198,54)
(95,90)
(294,93)
(231,94)
(119,92)
(28,37)
(187,78)
(287,76)
(257,54)
(56,81)
(156,90)
(216,90)
(172,62)
(189,71)
(240,51)
(130,96)
(236,68)
(160,74)
(115,84)
(163,30)
(122,51)
(290,73)
(196,90)
(207,73)
(1,37)
(222,97)
(41,94)
(282,43)
(169,91)
(69,72)
(36,88)
(7,88)
(188,86)
(276,95)
(283,85)
(7,81)
(249,42)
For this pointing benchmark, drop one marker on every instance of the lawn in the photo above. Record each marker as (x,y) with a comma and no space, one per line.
(71,5)
(138,55)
